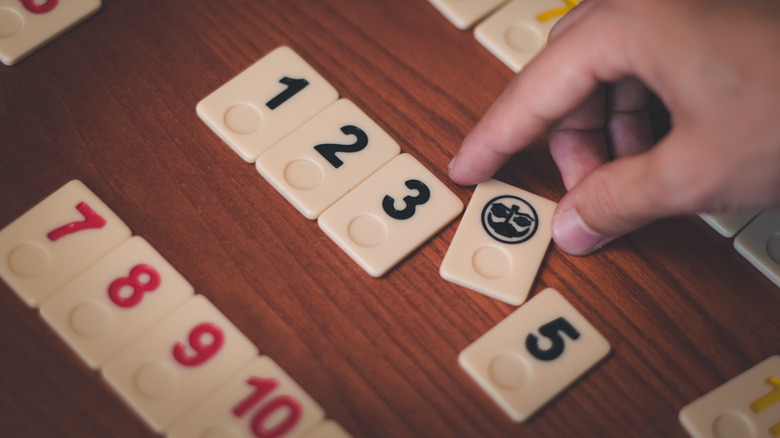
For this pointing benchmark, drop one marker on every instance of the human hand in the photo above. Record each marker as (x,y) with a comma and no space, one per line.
(716,66)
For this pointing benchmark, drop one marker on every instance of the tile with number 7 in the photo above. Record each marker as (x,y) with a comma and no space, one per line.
(533,354)
(56,240)
(390,214)
(114,301)
(259,400)
(178,362)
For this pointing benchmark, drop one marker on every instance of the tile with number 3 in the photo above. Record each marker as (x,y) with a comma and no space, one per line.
(56,240)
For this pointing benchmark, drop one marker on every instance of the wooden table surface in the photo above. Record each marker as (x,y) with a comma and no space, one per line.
(112,103)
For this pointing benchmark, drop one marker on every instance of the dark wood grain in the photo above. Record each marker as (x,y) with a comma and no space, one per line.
(112,103)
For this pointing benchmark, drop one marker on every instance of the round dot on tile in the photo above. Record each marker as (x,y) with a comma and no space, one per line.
(90,319)
(367,231)
(303,174)
(491,262)
(773,248)
(156,379)
(29,260)
(11,22)
(221,431)
(523,38)
(509,370)
(243,119)
(732,425)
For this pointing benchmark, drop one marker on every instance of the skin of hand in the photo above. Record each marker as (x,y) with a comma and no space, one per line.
(715,64)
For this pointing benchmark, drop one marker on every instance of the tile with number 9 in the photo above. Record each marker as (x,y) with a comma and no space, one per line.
(260,400)
(265,102)
(178,362)
(56,240)
(390,214)
(114,301)
(533,354)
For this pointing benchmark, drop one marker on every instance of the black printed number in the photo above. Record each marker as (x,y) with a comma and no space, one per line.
(411,202)
(552,331)
(329,150)
(293,87)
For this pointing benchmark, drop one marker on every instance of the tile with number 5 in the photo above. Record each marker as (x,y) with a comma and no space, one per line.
(260,400)
(178,362)
(533,354)
(114,301)
(390,214)
(265,102)
(56,240)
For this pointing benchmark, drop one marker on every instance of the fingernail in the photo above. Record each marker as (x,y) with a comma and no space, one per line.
(573,236)
(449,166)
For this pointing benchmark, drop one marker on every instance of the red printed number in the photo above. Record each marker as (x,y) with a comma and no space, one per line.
(263,387)
(136,281)
(91,220)
(41,8)
(203,351)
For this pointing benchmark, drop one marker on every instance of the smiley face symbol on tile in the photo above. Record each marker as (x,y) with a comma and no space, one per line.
(509,219)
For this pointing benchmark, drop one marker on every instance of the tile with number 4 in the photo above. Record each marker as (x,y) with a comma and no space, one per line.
(390,214)
(260,400)
(178,362)
(500,243)
(114,301)
(326,157)
(746,406)
(56,240)
(533,354)
(464,13)
(26,25)
(265,102)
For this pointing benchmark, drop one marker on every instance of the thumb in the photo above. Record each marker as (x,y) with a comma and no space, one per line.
(626,194)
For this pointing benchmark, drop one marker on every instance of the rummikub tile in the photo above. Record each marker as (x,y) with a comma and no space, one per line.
(325,158)
(56,240)
(114,301)
(533,354)
(328,429)
(390,214)
(728,224)
(759,243)
(746,406)
(260,400)
(500,242)
(265,102)
(26,25)
(464,13)
(516,32)
(178,362)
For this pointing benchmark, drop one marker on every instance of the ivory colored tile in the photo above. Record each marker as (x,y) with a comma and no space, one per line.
(518,31)
(390,214)
(759,243)
(464,13)
(500,242)
(260,400)
(56,240)
(533,354)
(728,224)
(114,301)
(325,158)
(746,406)
(26,25)
(265,102)
(328,429)
(178,362)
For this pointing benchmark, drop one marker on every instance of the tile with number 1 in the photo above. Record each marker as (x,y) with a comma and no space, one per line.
(56,240)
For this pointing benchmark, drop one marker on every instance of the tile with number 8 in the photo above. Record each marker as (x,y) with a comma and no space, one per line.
(26,25)
(265,102)
(56,240)
(390,214)
(326,157)
(178,362)
(114,301)
(260,400)
(533,354)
